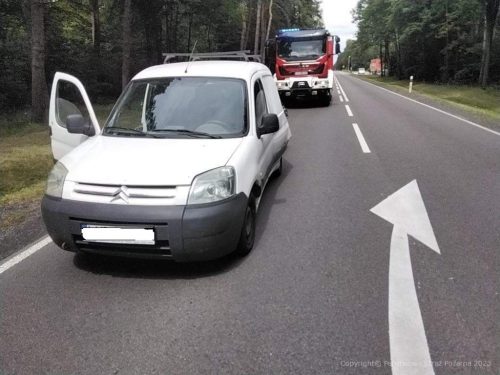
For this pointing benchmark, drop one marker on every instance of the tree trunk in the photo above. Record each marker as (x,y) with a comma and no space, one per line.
(398,52)
(176,25)
(263,32)
(446,72)
(39,90)
(126,40)
(386,53)
(490,19)
(166,27)
(244,11)
(247,31)
(270,20)
(257,28)
(190,25)
(209,37)
(96,26)
(381,57)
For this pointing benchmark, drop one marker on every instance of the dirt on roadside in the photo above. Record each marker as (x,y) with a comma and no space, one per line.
(19,234)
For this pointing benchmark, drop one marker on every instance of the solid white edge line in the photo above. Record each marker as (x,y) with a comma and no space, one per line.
(17,258)
(343,92)
(437,109)
(361,139)
(348,109)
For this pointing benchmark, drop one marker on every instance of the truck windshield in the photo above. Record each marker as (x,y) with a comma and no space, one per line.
(301,49)
(193,107)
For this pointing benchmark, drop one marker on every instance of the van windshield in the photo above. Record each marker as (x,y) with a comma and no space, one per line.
(181,107)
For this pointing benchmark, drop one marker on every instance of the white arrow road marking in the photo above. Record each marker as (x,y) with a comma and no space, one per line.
(408,344)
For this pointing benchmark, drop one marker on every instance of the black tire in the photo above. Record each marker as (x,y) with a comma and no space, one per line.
(326,100)
(247,236)
(279,171)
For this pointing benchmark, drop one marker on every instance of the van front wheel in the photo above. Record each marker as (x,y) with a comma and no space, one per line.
(247,236)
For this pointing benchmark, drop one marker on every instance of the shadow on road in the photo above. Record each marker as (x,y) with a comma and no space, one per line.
(153,269)
(301,103)
(165,269)
(268,200)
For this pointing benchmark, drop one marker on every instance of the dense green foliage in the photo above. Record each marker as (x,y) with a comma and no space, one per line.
(434,40)
(84,37)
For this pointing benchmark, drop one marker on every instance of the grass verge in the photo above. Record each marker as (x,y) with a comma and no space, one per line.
(482,102)
(25,161)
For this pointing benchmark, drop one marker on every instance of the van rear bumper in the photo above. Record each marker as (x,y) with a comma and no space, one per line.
(182,233)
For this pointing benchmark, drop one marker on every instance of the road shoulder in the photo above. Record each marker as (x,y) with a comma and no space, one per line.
(438,103)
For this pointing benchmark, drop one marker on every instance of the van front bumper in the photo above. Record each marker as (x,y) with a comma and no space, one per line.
(182,233)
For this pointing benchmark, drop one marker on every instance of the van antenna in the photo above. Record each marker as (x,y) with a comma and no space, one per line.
(191,57)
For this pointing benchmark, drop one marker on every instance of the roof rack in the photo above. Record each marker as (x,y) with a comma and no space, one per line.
(230,55)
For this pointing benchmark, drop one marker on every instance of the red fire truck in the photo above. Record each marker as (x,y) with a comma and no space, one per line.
(302,63)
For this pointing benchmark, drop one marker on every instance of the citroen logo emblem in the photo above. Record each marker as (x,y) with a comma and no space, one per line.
(121,193)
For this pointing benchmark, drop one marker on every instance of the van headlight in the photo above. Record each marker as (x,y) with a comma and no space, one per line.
(213,186)
(55,181)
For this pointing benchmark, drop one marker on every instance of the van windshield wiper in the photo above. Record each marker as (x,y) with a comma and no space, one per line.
(187,132)
(120,130)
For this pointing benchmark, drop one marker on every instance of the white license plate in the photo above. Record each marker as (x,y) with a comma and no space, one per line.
(134,236)
(300,73)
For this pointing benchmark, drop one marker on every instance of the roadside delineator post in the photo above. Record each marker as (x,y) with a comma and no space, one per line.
(411,84)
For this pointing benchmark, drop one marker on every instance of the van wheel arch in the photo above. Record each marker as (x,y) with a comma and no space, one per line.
(256,191)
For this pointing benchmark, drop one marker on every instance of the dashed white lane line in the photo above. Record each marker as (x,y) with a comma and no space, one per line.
(11,262)
(361,139)
(438,110)
(348,109)
(341,99)
(342,89)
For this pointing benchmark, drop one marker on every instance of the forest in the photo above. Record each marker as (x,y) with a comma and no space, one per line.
(105,42)
(444,41)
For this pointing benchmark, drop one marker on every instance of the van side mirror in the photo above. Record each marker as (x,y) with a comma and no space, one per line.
(76,124)
(270,124)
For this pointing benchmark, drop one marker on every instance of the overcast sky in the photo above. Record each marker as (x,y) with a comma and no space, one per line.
(338,18)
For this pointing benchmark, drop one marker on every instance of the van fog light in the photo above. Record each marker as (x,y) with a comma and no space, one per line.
(212,186)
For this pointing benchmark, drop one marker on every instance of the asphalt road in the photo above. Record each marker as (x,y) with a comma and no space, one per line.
(312,297)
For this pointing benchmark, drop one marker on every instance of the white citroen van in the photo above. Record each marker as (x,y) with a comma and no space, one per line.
(178,169)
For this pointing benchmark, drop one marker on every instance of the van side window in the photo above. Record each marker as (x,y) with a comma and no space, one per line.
(69,101)
(260,102)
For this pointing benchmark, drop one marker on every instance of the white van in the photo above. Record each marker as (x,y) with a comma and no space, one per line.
(178,169)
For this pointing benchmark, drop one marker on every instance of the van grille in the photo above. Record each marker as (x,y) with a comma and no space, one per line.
(124,194)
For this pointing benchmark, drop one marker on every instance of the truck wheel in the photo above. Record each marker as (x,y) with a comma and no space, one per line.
(326,100)
(247,236)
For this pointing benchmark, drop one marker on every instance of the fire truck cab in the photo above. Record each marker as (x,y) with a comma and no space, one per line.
(302,63)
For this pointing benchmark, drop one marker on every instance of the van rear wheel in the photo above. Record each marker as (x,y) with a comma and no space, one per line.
(247,236)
